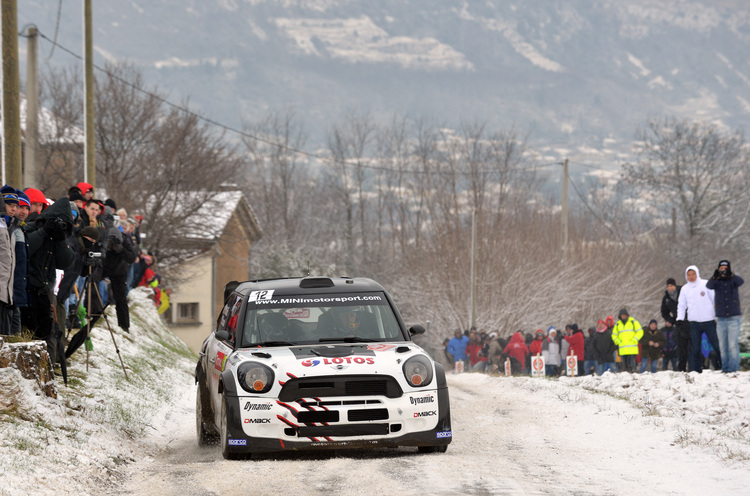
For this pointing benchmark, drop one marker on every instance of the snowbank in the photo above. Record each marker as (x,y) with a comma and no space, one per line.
(79,442)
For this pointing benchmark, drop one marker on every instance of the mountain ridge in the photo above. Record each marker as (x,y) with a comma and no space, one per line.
(577,74)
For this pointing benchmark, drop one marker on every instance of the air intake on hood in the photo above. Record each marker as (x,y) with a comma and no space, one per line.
(316,282)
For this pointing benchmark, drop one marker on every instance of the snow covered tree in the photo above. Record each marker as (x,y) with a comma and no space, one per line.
(699,169)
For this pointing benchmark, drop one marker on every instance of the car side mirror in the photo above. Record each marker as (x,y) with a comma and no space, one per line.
(417,329)
(223,336)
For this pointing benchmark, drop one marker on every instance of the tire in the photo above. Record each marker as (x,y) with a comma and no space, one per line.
(224,435)
(433,449)
(205,435)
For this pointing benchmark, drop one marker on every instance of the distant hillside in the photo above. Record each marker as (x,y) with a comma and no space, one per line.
(580,75)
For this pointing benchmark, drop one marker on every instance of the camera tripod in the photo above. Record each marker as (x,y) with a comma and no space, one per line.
(89,290)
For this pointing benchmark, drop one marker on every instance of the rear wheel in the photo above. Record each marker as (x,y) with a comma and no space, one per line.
(206,436)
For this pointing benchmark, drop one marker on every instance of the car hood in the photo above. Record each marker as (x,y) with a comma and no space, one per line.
(332,359)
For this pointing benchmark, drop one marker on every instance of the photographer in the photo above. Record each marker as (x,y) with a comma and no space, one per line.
(120,254)
(48,250)
(725,284)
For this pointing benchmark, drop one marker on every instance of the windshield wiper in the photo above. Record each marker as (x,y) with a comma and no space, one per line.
(348,339)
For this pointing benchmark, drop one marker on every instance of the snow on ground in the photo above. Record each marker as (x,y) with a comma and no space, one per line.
(619,434)
(100,422)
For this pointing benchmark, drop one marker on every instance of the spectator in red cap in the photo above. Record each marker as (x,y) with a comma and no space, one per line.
(37,199)
(86,190)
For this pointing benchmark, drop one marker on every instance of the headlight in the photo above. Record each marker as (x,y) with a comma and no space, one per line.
(418,371)
(255,377)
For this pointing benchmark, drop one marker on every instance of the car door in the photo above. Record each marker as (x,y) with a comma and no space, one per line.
(219,350)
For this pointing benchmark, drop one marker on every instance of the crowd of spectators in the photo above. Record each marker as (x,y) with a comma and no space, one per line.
(687,341)
(64,261)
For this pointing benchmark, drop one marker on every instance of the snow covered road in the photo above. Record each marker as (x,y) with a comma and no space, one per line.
(514,436)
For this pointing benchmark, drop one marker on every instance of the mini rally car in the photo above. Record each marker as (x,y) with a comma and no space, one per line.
(317,363)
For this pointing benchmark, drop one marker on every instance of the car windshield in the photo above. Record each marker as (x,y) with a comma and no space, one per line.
(287,320)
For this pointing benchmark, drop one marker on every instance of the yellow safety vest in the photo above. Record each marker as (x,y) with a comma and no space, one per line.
(626,336)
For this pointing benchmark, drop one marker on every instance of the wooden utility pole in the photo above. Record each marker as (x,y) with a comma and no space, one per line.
(31,145)
(12,167)
(564,214)
(89,173)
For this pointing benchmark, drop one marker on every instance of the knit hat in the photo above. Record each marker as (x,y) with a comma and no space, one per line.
(601,325)
(539,332)
(75,195)
(90,232)
(671,281)
(84,187)
(623,311)
(9,195)
(36,196)
(652,321)
(551,330)
(23,200)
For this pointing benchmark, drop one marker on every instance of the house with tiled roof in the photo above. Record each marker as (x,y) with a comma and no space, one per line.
(219,253)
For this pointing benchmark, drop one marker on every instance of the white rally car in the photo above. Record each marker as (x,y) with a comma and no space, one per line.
(317,363)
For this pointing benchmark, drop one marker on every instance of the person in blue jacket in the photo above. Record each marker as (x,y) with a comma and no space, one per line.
(457,346)
(725,284)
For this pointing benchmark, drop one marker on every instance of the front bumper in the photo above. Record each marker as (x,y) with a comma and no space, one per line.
(262,425)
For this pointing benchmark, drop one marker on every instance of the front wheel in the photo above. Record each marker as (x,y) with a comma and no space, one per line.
(224,435)
(205,436)
(433,449)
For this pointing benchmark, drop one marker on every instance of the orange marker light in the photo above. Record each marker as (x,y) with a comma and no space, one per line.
(258,385)
(416,380)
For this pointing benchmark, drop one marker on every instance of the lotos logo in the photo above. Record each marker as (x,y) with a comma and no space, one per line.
(258,421)
(338,361)
(421,399)
(425,414)
(444,434)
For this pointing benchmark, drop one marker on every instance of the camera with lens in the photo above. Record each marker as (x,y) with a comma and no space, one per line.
(95,255)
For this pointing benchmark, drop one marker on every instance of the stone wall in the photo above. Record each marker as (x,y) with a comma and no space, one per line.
(32,360)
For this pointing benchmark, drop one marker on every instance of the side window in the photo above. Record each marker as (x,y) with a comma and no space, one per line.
(221,322)
(234,314)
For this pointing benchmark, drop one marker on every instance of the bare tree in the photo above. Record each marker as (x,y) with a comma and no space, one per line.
(699,169)
(127,115)
(349,145)
(61,131)
(278,175)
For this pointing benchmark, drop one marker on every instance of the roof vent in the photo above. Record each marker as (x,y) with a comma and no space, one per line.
(316,282)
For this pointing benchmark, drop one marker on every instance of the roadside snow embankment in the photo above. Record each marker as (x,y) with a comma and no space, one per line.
(100,421)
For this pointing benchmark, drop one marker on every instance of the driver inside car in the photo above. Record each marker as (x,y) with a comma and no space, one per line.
(273,327)
(344,322)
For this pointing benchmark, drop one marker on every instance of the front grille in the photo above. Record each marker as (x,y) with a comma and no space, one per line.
(318,417)
(343,430)
(362,415)
(351,386)
(367,388)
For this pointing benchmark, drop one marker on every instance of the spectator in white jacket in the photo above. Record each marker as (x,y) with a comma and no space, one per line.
(696,305)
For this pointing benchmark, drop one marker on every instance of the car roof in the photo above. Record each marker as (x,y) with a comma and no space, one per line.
(311,285)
